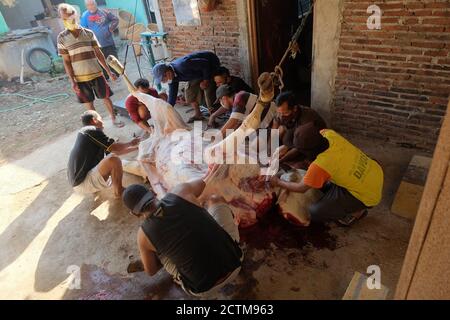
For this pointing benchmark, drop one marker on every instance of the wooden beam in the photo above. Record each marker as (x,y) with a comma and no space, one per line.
(253,42)
(426,263)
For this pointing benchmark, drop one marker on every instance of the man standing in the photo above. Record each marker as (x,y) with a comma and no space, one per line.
(103,24)
(241,105)
(351,182)
(198,69)
(138,112)
(199,248)
(81,54)
(89,171)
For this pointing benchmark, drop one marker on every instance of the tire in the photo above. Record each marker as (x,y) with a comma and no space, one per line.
(40,60)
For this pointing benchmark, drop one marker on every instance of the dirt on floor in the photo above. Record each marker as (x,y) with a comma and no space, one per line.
(26,129)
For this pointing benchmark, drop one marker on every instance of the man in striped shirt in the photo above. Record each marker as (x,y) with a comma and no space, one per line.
(82,58)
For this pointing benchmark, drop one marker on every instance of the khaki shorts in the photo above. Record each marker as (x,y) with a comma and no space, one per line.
(195,94)
(93,183)
(223,215)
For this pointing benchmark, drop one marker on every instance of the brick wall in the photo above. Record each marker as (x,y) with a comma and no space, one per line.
(394,83)
(219,32)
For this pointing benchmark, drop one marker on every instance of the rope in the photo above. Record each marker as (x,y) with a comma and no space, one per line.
(132,32)
(34,100)
(292,48)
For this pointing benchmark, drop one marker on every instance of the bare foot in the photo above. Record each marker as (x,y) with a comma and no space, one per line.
(135,266)
(118,193)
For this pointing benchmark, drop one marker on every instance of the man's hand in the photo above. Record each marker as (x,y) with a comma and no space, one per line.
(282,151)
(275,181)
(150,130)
(204,84)
(211,122)
(164,96)
(75,87)
(113,76)
(135,141)
(212,170)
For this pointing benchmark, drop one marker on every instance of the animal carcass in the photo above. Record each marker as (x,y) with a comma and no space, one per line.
(169,158)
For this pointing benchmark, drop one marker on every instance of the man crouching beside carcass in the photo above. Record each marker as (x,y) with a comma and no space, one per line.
(198,247)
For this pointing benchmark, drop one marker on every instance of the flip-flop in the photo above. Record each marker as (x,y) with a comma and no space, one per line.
(118,124)
(195,118)
(350,219)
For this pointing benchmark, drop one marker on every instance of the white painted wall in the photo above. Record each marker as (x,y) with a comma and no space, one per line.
(327,30)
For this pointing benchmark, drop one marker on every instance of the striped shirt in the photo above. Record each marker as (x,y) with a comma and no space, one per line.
(82,55)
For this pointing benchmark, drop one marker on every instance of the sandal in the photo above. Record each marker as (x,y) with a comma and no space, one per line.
(350,219)
(118,124)
(196,118)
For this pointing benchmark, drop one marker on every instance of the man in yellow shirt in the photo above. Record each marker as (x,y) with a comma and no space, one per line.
(350,181)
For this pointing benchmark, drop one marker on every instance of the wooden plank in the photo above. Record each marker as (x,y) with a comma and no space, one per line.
(425,231)
(407,200)
(358,290)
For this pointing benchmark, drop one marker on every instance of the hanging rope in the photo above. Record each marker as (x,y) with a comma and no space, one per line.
(292,48)
(132,32)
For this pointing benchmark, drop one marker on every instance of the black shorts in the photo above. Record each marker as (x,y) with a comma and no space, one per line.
(95,88)
(109,50)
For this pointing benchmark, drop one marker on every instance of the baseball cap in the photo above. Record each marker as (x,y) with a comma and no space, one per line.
(158,72)
(224,90)
(136,196)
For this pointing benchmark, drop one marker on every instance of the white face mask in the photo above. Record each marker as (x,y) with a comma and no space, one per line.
(169,81)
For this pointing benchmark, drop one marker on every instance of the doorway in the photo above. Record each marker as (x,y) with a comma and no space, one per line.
(275,24)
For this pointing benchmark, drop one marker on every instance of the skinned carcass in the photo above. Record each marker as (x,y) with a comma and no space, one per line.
(294,206)
(175,153)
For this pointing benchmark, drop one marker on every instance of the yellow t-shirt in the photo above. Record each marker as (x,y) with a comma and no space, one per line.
(350,168)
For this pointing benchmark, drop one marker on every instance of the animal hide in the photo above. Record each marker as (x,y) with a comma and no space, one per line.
(167,161)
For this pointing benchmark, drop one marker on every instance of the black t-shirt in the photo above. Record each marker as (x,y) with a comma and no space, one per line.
(239,85)
(89,149)
(193,241)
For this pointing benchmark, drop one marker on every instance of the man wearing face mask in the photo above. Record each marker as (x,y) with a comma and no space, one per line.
(289,117)
(241,105)
(82,58)
(197,69)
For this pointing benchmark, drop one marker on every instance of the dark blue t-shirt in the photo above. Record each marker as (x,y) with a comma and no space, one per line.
(101,23)
(199,65)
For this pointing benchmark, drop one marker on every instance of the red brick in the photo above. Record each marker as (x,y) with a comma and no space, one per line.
(392,84)
(219,32)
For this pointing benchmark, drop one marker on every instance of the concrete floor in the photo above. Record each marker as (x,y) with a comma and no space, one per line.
(46,229)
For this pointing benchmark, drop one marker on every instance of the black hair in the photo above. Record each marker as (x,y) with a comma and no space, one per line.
(288,97)
(311,155)
(222,71)
(88,116)
(142,83)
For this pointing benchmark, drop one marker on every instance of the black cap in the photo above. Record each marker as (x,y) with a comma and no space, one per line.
(136,196)
(224,90)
